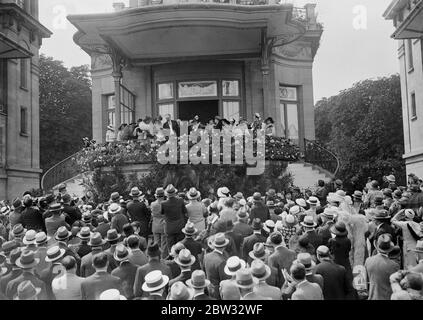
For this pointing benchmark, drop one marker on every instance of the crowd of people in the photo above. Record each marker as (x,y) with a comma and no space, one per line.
(153,128)
(327,245)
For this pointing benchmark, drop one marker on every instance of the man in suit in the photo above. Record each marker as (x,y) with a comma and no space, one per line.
(199,283)
(283,257)
(335,279)
(260,253)
(119,219)
(185,260)
(82,249)
(236,238)
(309,227)
(170,261)
(14,272)
(56,221)
(214,263)
(136,256)
(41,241)
(154,285)
(249,242)
(112,238)
(304,290)
(72,213)
(138,211)
(96,242)
(174,211)
(27,263)
(54,255)
(67,286)
(154,263)
(100,281)
(323,231)
(246,284)
(62,237)
(171,125)
(259,209)
(379,268)
(242,227)
(262,272)
(192,245)
(125,272)
(102,226)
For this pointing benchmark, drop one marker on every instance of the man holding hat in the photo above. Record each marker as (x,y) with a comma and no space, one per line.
(379,268)
(175,213)
(138,211)
(154,263)
(27,262)
(158,225)
(155,285)
(126,271)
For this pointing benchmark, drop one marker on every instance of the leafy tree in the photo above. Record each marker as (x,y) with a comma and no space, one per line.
(363,126)
(65,110)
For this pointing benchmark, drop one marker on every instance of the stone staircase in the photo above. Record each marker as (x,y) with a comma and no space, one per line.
(306,175)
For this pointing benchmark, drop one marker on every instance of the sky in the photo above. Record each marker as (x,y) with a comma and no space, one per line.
(355,45)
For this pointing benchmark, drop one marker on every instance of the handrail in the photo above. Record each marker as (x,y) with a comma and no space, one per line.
(317,155)
(60,172)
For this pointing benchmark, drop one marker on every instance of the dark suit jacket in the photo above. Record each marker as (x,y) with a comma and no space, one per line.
(259,210)
(87,268)
(282,258)
(324,232)
(340,248)
(314,239)
(183,277)
(12,287)
(237,240)
(249,242)
(152,265)
(13,274)
(175,126)
(72,213)
(126,273)
(196,249)
(214,264)
(336,284)
(138,211)
(174,268)
(203,297)
(102,229)
(243,229)
(94,285)
(174,211)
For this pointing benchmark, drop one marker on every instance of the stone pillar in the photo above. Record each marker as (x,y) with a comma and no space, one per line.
(118,62)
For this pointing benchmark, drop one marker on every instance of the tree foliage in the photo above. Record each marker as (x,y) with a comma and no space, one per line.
(65,110)
(363,126)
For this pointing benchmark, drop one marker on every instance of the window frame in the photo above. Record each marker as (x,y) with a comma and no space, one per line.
(23,73)
(23,121)
(413,105)
(283,105)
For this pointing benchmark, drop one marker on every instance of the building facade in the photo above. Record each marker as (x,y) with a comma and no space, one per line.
(407,16)
(21,36)
(202,58)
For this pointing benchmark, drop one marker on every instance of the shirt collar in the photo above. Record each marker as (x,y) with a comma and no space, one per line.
(218,251)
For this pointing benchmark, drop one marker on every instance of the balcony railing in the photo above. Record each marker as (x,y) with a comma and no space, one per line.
(317,155)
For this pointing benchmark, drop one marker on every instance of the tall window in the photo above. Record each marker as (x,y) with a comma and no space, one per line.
(127,107)
(413,106)
(24,73)
(24,121)
(166,99)
(3,86)
(410,54)
(231,102)
(289,105)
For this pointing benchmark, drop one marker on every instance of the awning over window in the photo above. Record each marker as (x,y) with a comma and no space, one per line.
(9,49)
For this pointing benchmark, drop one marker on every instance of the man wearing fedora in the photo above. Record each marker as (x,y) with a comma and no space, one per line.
(282,257)
(158,223)
(62,238)
(233,264)
(71,211)
(304,290)
(170,260)
(340,247)
(336,285)
(96,243)
(242,227)
(14,272)
(82,249)
(175,213)
(54,255)
(246,284)
(309,227)
(67,285)
(250,241)
(27,263)
(118,219)
(214,263)
(199,284)
(196,210)
(328,220)
(100,281)
(102,226)
(41,240)
(381,224)
(56,221)
(126,271)
(234,237)
(113,238)
(191,244)
(154,263)
(138,211)
(262,272)
(155,285)
(185,261)
(259,209)
(379,268)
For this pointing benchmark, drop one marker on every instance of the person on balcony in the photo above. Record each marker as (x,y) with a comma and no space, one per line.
(171,125)
(110,134)
(121,132)
(270,127)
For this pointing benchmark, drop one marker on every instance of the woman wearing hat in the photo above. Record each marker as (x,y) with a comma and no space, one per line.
(197,212)
(411,233)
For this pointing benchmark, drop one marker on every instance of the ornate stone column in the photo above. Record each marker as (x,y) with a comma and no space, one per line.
(118,62)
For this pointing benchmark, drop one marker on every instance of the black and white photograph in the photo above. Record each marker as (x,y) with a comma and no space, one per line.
(226,151)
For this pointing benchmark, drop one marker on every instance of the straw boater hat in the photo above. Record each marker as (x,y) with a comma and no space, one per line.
(27,291)
(198,280)
(55,254)
(185,258)
(8,247)
(155,281)
(84,234)
(29,237)
(112,294)
(193,194)
(309,222)
(62,234)
(384,243)
(301,203)
(55,208)
(112,235)
(330,213)
(190,229)
(160,193)
(135,192)
(290,221)
(27,260)
(121,253)
(341,193)
(381,215)
(180,291)
(96,240)
(259,252)
(114,208)
(245,279)
(233,264)
(314,201)
(306,260)
(220,241)
(223,192)
(260,271)
(41,238)
(18,230)
(257,197)
(269,226)
(339,229)
(391,178)
(171,191)
(358,195)
(295,210)
(333,197)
